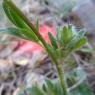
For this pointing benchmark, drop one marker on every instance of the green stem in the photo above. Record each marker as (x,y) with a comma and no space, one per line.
(58,66)
(61,78)
(32,27)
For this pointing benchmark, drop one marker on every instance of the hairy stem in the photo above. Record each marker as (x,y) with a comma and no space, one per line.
(35,31)
(61,78)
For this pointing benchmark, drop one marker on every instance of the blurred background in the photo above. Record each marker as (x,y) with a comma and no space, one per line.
(22,62)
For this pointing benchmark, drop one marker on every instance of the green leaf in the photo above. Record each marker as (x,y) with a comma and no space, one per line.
(77,41)
(59,90)
(36,90)
(13,15)
(87,50)
(53,87)
(82,89)
(50,87)
(16,16)
(14,32)
(6,9)
(81,33)
(66,34)
(21,33)
(80,43)
(53,40)
(58,35)
(58,53)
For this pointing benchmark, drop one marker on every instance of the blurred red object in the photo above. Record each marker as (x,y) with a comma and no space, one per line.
(31,47)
